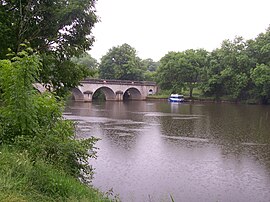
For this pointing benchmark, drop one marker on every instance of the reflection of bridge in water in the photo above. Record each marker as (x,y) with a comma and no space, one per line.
(114,90)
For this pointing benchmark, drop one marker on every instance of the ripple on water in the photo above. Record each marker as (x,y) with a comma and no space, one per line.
(193,139)
(186,118)
(253,144)
(88,119)
(160,114)
(124,134)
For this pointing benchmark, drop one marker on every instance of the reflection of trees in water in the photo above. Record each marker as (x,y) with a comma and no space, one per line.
(238,123)
(240,131)
(180,120)
(123,140)
(237,130)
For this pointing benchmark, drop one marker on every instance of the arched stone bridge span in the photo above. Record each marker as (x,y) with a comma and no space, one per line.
(114,90)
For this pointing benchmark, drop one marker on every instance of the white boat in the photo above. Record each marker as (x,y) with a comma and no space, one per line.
(176,98)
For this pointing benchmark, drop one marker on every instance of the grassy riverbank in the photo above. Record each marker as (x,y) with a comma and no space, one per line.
(22,180)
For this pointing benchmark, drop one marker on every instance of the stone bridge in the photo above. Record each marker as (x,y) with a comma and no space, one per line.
(114,90)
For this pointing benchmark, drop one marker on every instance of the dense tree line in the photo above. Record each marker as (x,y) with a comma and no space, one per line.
(238,70)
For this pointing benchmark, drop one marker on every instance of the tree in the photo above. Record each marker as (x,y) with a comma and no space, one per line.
(122,63)
(179,70)
(261,78)
(192,65)
(149,67)
(86,60)
(259,48)
(57,29)
(167,72)
(228,71)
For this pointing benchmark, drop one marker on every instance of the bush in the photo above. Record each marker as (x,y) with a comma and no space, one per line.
(33,122)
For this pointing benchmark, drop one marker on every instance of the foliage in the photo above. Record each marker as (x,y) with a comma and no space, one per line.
(179,70)
(61,75)
(167,75)
(261,78)
(21,181)
(259,48)
(16,79)
(238,70)
(121,63)
(230,68)
(53,25)
(86,60)
(33,122)
(150,67)
(57,29)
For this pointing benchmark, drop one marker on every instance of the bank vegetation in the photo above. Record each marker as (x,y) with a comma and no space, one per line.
(40,157)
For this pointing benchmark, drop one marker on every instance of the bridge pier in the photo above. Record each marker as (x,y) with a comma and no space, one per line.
(88,95)
(119,95)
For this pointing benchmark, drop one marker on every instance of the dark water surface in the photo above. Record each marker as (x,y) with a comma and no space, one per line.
(193,152)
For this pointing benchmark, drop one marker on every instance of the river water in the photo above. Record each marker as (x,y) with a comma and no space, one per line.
(152,151)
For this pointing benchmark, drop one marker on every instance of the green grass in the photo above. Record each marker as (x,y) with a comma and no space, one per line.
(21,181)
(196,92)
(164,94)
(157,96)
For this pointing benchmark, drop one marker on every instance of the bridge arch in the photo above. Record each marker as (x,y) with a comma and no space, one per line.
(108,92)
(132,94)
(77,94)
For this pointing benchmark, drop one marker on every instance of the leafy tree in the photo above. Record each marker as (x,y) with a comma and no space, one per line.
(150,67)
(228,70)
(149,64)
(259,48)
(261,77)
(192,65)
(122,63)
(86,60)
(57,29)
(167,73)
(179,70)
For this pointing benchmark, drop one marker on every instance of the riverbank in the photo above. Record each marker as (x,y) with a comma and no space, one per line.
(22,180)
(204,99)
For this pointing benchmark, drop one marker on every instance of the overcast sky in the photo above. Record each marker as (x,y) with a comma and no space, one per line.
(155,27)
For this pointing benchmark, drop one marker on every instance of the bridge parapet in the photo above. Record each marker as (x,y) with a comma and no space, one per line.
(119,82)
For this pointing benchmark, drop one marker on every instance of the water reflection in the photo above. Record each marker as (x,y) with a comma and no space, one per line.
(195,152)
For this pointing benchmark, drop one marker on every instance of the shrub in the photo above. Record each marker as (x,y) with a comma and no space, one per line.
(33,122)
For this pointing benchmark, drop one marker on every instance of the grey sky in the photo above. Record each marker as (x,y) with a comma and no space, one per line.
(155,27)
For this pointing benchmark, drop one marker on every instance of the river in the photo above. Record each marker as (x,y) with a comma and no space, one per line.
(152,151)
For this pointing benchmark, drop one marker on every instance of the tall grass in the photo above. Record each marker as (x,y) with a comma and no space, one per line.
(22,180)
